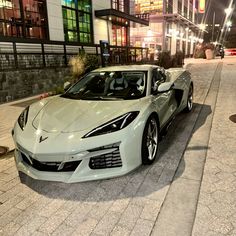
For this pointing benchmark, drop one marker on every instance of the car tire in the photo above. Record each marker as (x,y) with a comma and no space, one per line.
(189,106)
(150,141)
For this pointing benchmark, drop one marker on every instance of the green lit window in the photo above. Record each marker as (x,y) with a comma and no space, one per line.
(70,25)
(85,38)
(77,19)
(72,36)
(69,3)
(84,5)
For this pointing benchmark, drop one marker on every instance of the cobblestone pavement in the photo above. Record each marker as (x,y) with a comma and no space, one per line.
(8,115)
(216,212)
(128,205)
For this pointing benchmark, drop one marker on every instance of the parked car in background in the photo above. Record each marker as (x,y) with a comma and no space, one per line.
(105,125)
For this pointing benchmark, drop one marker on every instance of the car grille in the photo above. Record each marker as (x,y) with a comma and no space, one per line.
(109,160)
(50,166)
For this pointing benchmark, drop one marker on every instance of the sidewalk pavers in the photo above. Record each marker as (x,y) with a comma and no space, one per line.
(216,212)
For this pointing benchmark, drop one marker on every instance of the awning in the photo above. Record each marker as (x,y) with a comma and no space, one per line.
(120,17)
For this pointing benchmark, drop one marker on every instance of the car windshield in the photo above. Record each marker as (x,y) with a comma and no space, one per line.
(109,85)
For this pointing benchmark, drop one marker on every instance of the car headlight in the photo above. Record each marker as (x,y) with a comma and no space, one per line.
(113,125)
(22,120)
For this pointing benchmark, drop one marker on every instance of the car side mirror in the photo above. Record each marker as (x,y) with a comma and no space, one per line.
(164,87)
(66,85)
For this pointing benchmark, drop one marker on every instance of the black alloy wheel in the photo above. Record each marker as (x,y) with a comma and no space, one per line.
(189,106)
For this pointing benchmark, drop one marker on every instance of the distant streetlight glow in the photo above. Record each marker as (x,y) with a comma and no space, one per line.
(202,26)
(228,11)
(229,23)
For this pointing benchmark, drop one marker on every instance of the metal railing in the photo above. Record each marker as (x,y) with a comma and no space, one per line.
(17,54)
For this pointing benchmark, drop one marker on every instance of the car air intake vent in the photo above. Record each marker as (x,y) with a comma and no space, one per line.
(50,166)
(109,160)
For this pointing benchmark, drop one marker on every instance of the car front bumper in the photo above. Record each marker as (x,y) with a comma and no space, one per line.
(101,157)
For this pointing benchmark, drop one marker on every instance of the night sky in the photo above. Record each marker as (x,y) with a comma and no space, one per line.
(217,6)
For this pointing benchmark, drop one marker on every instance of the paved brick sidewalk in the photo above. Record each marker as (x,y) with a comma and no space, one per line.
(216,213)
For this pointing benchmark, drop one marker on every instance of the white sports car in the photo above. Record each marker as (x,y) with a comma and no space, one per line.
(105,125)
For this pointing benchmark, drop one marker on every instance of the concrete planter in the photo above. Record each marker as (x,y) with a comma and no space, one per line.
(209,54)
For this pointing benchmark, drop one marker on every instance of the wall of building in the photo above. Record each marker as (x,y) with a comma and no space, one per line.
(55,20)
(102,29)
(176,37)
(25,83)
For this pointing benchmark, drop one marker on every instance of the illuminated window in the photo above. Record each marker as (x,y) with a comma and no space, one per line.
(147,6)
(69,3)
(70,25)
(77,19)
(118,5)
(119,35)
(84,5)
(23,18)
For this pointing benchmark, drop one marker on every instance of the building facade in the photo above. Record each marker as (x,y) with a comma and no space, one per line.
(78,21)
(155,24)
(173,26)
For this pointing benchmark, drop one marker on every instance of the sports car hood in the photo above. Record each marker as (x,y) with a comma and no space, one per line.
(66,115)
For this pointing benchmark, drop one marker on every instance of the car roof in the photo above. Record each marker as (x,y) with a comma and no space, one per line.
(127,68)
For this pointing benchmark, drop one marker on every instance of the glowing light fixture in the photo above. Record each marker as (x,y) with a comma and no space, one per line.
(202,26)
(228,11)
(229,23)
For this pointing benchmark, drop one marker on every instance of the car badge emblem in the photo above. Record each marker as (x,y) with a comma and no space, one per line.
(41,139)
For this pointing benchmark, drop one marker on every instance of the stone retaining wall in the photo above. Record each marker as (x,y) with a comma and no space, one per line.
(25,83)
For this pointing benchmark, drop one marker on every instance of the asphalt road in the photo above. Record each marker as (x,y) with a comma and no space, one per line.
(145,202)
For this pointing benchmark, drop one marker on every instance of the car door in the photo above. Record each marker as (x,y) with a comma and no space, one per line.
(165,103)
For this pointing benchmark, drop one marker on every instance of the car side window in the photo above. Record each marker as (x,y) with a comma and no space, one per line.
(161,75)
(158,77)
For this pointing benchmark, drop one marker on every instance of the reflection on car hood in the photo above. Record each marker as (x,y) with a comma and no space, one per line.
(66,115)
